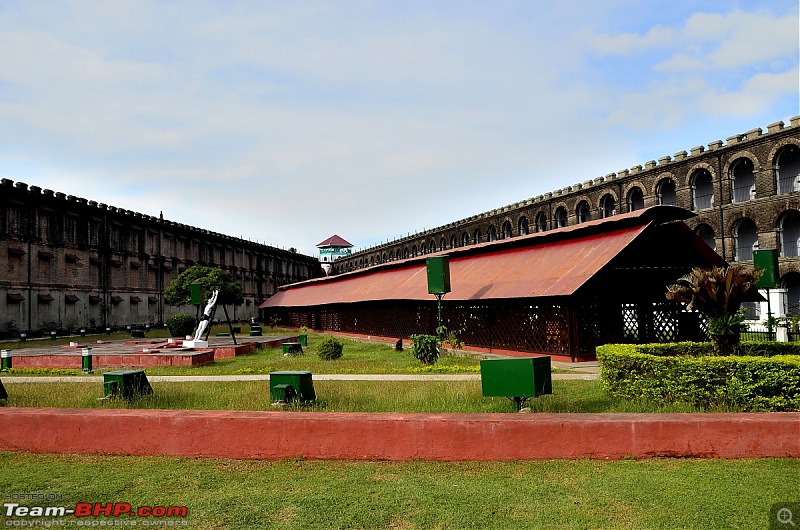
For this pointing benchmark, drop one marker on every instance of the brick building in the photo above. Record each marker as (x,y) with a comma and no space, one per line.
(71,263)
(745,192)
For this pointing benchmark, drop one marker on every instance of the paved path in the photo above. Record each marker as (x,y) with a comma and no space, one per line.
(265,377)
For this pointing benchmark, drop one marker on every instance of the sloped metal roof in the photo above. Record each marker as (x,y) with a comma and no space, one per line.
(334,241)
(547,264)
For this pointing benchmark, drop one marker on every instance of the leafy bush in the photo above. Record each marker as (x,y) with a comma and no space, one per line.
(718,293)
(450,337)
(768,349)
(330,349)
(181,324)
(697,349)
(425,348)
(745,382)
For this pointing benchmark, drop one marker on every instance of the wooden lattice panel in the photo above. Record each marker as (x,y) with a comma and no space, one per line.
(552,328)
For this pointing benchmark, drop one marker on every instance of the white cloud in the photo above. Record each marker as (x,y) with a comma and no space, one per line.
(298,120)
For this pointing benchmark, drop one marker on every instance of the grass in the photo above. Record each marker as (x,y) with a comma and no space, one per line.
(360,357)
(575,396)
(230,494)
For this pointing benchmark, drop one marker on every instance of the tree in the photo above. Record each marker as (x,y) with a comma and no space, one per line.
(178,292)
(718,293)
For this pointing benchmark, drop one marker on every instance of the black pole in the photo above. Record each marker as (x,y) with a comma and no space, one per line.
(439,317)
(230,326)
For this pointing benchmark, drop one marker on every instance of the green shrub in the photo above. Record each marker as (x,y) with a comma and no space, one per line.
(753,383)
(425,348)
(181,325)
(768,348)
(329,349)
(697,349)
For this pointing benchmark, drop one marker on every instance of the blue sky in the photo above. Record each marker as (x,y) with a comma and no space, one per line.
(287,122)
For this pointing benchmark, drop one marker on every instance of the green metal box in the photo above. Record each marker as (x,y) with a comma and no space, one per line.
(517,378)
(291,385)
(292,347)
(438,268)
(767,261)
(126,383)
(196,293)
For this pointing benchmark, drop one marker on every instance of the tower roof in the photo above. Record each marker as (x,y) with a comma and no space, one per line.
(334,241)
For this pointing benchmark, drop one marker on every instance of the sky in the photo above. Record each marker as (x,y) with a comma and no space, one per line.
(286,122)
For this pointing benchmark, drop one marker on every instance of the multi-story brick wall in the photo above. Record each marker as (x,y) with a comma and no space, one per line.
(745,191)
(69,263)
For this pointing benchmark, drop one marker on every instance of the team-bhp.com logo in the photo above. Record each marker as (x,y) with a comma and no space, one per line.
(91,510)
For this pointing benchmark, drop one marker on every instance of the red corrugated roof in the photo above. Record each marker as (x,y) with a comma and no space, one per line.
(550,269)
(547,264)
(334,241)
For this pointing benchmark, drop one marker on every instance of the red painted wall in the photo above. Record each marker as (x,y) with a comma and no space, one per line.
(370,436)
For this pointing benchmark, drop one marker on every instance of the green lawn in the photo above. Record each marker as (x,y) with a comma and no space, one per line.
(362,357)
(229,494)
(574,396)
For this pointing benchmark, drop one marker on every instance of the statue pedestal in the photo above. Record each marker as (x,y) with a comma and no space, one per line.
(196,344)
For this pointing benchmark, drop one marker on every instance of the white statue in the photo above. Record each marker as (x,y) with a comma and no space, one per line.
(206,318)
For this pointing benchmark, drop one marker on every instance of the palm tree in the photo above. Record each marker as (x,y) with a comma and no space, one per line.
(718,293)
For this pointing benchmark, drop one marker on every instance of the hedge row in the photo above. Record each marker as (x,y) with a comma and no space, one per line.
(746,348)
(747,383)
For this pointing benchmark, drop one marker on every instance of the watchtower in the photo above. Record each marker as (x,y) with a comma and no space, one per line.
(332,249)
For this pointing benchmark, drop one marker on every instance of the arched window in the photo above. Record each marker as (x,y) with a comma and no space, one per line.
(453,241)
(505,230)
(791,282)
(745,239)
(635,199)
(541,222)
(583,213)
(423,248)
(706,233)
(560,218)
(522,226)
(442,245)
(743,181)
(464,239)
(383,258)
(432,246)
(608,206)
(492,236)
(666,193)
(414,251)
(405,253)
(790,233)
(787,167)
(478,236)
(702,190)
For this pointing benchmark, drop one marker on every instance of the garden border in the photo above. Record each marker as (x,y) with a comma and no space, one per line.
(398,437)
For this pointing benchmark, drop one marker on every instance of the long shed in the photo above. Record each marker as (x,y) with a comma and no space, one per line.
(560,292)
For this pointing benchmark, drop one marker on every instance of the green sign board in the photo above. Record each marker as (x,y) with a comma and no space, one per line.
(438,268)
(767,262)
(196,293)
